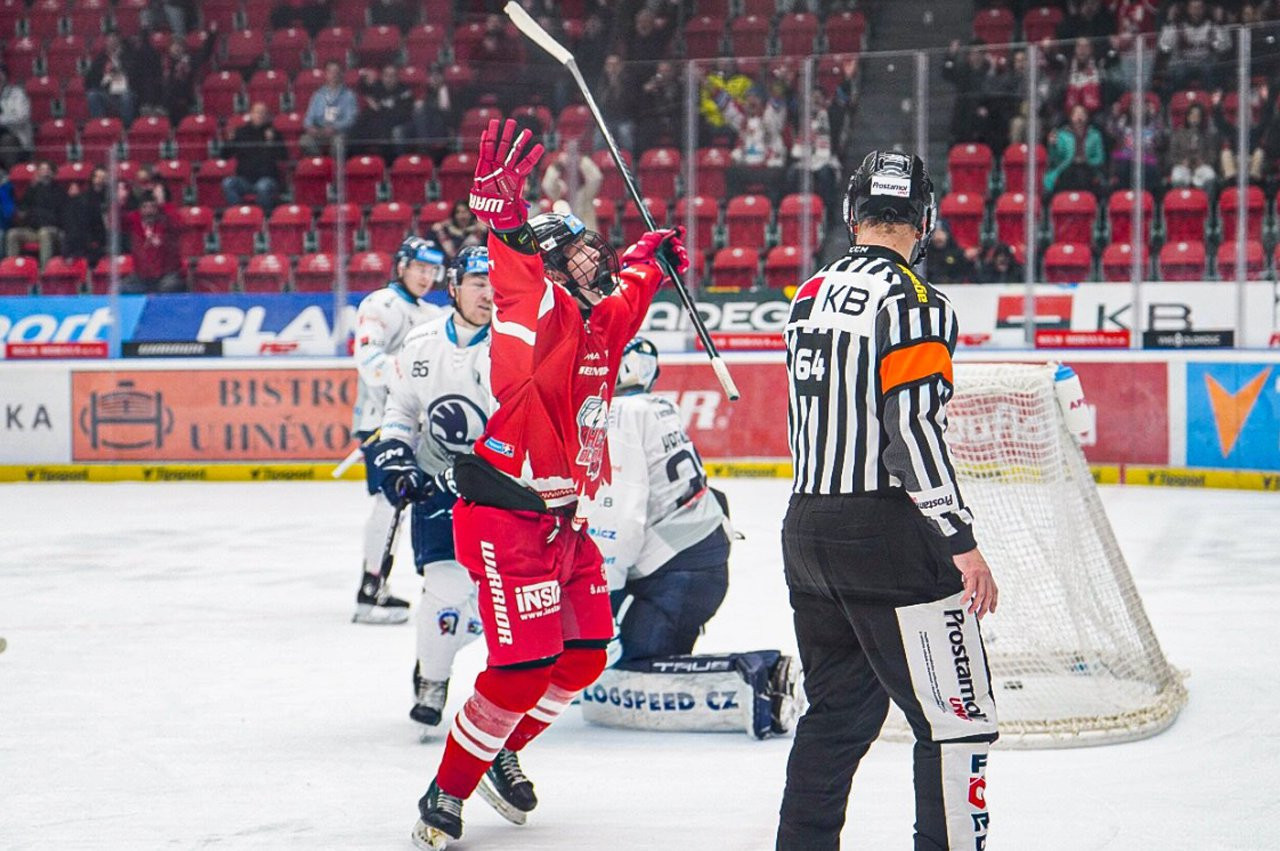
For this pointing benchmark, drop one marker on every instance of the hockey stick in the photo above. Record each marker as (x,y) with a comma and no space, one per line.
(389,549)
(353,456)
(561,54)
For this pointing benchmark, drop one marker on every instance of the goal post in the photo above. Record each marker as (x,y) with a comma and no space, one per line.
(1074,660)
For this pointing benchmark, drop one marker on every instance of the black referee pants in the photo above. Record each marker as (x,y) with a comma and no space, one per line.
(876,601)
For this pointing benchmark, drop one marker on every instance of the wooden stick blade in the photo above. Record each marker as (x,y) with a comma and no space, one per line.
(726,380)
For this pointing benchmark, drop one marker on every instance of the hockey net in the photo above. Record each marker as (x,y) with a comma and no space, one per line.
(1073,658)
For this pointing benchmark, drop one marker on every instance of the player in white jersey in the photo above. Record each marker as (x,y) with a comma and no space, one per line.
(383,321)
(437,409)
(664,537)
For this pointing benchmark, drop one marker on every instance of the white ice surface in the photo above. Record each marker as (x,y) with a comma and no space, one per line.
(181,672)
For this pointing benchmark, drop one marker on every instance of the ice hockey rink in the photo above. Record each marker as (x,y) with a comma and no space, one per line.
(181,672)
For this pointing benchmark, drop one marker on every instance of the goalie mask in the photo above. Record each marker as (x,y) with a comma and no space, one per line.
(578,258)
(892,188)
(639,367)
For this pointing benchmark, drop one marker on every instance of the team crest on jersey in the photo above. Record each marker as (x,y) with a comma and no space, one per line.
(456,422)
(447,619)
(593,427)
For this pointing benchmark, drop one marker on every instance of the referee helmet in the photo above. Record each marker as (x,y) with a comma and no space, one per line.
(892,188)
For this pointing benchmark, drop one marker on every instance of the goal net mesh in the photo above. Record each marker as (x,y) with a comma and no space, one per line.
(1073,658)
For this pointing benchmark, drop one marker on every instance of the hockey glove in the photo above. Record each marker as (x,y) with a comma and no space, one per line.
(444,483)
(667,244)
(497,191)
(401,479)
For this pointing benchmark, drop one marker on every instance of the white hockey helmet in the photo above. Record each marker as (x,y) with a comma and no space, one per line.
(639,367)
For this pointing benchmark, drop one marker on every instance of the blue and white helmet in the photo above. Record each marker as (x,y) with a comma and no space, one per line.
(472,260)
(639,367)
(423,250)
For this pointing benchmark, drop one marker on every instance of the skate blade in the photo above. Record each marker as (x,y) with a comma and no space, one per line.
(500,804)
(429,838)
(428,736)
(366,613)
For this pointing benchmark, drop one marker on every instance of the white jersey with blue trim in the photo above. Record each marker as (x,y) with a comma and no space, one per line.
(383,321)
(440,398)
(657,503)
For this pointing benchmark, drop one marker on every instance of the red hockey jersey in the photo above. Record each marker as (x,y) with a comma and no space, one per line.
(552,373)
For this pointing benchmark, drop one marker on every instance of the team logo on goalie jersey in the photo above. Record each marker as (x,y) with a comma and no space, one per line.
(593,427)
(456,422)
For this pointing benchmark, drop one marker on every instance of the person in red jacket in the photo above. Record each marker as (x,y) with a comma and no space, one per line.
(563,314)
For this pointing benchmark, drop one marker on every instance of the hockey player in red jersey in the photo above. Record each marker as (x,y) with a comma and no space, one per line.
(563,314)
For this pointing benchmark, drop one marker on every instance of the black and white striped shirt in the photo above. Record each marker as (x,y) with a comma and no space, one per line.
(869,349)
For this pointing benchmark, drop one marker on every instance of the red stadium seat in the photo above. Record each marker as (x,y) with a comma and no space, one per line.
(1120,207)
(268,86)
(148,138)
(21,176)
(88,17)
(711,166)
(194,226)
(215,273)
(378,46)
(1255,261)
(209,182)
(735,268)
(221,93)
(333,44)
(659,168)
(1040,23)
(750,35)
(746,219)
(266,273)
(432,212)
(782,267)
(474,122)
(176,177)
(1011,218)
(456,173)
(100,280)
(1072,216)
(98,136)
(368,271)
(460,78)
(64,276)
(1185,214)
(1067,263)
(1180,102)
(389,224)
(575,122)
(422,45)
(705,216)
(327,226)
(1255,212)
(994,25)
(703,36)
(1182,261)
(1014,163)
(288,49)
(1231,109)
(64,57)
(364,176)
(534,112)
(306,84)
(287,229)
(410,174)
(289,126)
(20,54)
(797,33)
(761,8)
(238,228)
(790,213)
(633,226)
(845,31)
(963,212)
(222,12)
(195,136)
(315,273)
(18,275)
(465,38)
(44,19)
(606,216)
(969,168)
(244,50)
(80,172)
(1117,262)
(42,92)
(311,181)
(75,103)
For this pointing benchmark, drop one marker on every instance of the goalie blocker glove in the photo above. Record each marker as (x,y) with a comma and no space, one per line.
(399,476)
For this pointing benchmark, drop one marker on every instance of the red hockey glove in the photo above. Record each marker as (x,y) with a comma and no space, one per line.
(667,243)
(500,174)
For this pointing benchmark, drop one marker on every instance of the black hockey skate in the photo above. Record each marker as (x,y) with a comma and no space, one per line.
(506,788)
(785,705)
(374,603)
(440,819)
(430,697)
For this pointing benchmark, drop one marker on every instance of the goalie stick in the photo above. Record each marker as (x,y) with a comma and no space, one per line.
(561,54)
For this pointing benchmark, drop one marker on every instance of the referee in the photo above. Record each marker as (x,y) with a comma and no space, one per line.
(886,581)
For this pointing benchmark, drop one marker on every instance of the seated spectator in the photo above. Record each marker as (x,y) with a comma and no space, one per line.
(969,75)
(259,151)
(8,204)
(844,105)
(821,160)
(576,180)
(39,215)
(1123,142)
(179,73)
(1264,156)
(593,45)
(311,15)
(394,13)
(153,241)
(1087,19)
(614,97)
(1193,151)
(721,91)
(84,227)
(16,136)
(143,185)
(657,109)
(759,157)
(460,230)
(331,112)
(998,265)
(948,263)
(647,42)
(1193,45)
(386,114)
(1083,79)
(494,59)
(1076,156)
(1121,65)
(433,117)
(109,82)
(168,14)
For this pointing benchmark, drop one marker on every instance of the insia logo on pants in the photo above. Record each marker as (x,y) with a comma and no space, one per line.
(500,617)
(538,599)
(966,705)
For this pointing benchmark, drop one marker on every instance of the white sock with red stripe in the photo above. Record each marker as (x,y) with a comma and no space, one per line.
(540,717)
(479,731)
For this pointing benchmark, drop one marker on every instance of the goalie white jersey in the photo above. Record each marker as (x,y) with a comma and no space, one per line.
(443,385)
(383,321)
(657,503)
